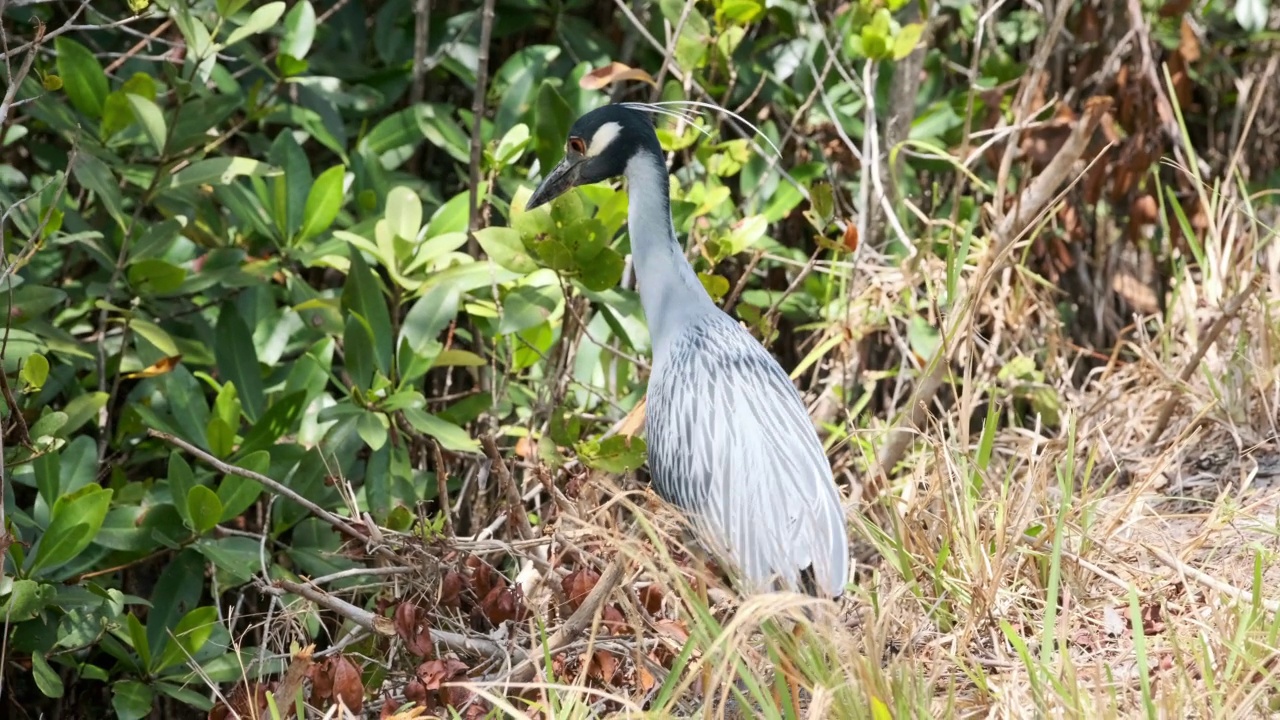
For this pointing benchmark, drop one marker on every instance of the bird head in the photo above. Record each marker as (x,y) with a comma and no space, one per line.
(600,145)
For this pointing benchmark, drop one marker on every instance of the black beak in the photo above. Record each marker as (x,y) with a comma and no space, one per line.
(561,179)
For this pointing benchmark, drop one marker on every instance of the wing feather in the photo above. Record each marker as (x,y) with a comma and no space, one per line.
(731,443)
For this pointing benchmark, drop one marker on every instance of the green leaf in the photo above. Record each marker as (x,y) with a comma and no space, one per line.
(512,145)
(82,76)
(47,679)
(191,633)
(138,636)
(717,286)
(429,316)
(450,436)
(552,121)
(323,203)
(603,272)
(238,493)
(26,599)
(289,191)
(372,428)
(95,176)
(237,359)
(362,295)
(504,247)
(299,30)
(906,40)
(219,171)
(282,417)
(75,520)
(220,437)
(236,556)
(205,509)
(153,276)
(617,454)
(149,116)
(181,481)
(36,370)
(264,18)
(404,213)
(131,699)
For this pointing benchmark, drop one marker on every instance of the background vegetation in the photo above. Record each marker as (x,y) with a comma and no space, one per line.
(302,413)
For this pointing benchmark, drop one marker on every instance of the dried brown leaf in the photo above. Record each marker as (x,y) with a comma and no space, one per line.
(348,687)
(612,73)
(578,584)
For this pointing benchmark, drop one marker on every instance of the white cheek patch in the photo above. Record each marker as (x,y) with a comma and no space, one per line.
(603,137)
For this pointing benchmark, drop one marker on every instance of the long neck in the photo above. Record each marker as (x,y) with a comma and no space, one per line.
(670,291)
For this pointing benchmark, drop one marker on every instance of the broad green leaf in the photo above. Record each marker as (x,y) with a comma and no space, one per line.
(220,437)
(279,419)
(238,359)
(512,145)
(504,247)
(95,176)
(47,679)
(181,481)
(219,171)
(290,190)
(82,77)
(362,295)
(358,354)
(175,594)
(151,119)
(372,427)
(35,370)
(323,203)
(604,271)
(236,556)
(449,436)
(155,335)
(551,129)
(138,636)
(404,213)
(25,600)
(429,316)
(205,509)
(238,494)
(906,40)
(131,699)
(75,520)
(191,633)
(153,276)
(264,18)
(299,30)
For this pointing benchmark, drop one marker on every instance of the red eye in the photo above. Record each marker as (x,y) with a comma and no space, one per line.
(576,145)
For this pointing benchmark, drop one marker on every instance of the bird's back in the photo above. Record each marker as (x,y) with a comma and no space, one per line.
(730,442)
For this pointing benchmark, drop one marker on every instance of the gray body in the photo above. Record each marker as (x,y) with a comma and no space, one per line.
(730,440)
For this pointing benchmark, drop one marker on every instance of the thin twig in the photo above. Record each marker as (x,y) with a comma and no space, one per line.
(1208,580)
(276,487)
(477,113)
(442,490)
(515,509)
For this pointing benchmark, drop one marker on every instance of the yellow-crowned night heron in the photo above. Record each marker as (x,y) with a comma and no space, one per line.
(730,441)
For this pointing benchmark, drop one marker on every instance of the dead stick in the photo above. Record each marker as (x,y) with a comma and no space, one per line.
(1228,314)
(442,491)
(515,511)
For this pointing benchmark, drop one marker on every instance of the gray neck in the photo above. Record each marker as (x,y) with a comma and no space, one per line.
(670,291)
